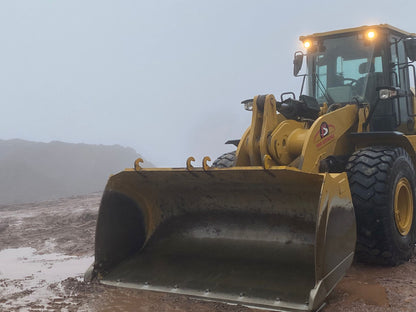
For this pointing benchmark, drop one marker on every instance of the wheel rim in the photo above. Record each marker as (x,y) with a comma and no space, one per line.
(403,206)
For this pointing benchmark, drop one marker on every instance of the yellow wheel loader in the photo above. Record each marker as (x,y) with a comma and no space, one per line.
(313,181)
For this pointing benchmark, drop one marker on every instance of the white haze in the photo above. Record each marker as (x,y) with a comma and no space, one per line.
(164,77)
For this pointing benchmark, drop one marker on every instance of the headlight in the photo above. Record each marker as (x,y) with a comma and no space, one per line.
(248,104)
(387,93)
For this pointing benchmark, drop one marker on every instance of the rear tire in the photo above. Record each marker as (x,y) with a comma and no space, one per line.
(226,160)
(382,182)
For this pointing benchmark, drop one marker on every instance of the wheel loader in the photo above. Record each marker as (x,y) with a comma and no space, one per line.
(314,181)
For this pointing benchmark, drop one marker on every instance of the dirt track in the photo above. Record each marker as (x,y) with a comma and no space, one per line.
(46,247)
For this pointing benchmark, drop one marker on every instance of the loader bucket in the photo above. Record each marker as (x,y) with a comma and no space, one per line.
(278,239)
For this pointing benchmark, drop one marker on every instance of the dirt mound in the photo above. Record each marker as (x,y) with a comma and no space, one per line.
(31,171)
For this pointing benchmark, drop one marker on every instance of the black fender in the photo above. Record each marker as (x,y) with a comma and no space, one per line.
(384,138)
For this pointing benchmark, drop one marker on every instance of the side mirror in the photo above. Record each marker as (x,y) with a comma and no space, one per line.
(297,62)
(410,47)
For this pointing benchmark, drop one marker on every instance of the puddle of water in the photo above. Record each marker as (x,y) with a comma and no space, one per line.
(27,275)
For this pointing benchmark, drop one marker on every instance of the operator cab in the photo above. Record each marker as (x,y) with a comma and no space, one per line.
(369,65)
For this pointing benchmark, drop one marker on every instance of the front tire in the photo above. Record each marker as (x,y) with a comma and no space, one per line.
(382,182)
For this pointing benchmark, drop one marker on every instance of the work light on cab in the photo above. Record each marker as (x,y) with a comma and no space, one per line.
(371,35)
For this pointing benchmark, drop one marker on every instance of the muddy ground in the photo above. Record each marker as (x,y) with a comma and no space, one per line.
(46,247)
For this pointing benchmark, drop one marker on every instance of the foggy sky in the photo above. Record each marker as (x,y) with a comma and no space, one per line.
(163,77)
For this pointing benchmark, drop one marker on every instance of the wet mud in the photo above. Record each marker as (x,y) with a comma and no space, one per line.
(46,247)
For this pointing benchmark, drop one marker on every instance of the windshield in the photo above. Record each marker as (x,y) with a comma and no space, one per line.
(344,69)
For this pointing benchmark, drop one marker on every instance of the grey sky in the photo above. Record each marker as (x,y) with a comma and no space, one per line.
(164,77)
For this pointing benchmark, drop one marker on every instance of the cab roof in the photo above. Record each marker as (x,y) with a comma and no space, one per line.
(359,29)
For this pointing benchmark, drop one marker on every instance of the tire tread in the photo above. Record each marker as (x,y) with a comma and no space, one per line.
(226,160)
(368,173)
